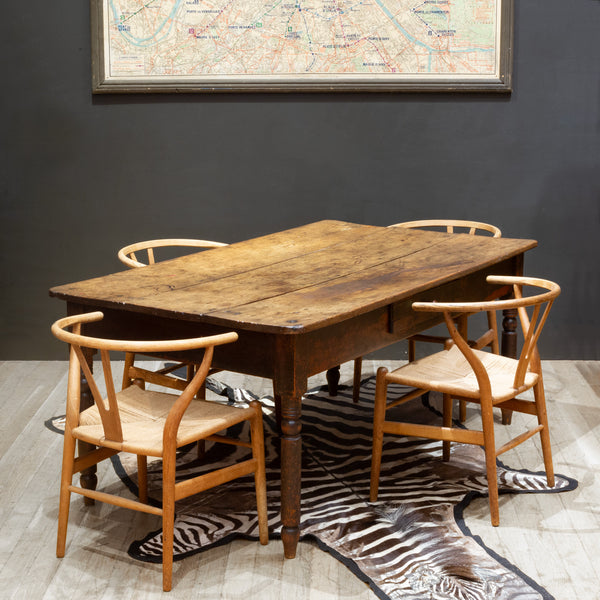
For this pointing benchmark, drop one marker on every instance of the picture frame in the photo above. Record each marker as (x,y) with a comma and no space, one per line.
(204,46)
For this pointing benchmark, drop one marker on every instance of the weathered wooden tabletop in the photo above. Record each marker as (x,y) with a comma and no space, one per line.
(297,280)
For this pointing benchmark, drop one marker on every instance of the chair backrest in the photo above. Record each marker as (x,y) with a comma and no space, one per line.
(127,255)
(109,410)
(531,326)
(451,225)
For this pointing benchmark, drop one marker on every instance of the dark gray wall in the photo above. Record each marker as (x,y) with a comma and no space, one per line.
(81,175)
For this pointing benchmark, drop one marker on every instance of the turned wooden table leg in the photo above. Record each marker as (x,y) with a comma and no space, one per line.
(333,379)
(289,385)
(87,478)
(291,472)
(509,347)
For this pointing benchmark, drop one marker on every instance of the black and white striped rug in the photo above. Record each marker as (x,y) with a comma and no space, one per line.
(409,545)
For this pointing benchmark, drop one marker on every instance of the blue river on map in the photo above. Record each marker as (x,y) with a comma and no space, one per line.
(157,35)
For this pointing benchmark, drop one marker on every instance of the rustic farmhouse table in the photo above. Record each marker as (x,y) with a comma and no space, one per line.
(303,301)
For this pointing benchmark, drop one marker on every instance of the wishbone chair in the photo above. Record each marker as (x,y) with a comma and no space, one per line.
(477,376)
(150,423)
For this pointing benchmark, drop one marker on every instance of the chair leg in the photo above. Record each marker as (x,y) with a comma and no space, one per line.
(129,360)
(189,372)
(168,518)
(489,443)
(378,419)
(66,479)
(260,480)
(357,378)
(447,422)
(142,463)
(540,401)
(462,411)
(493,325)
(411,350)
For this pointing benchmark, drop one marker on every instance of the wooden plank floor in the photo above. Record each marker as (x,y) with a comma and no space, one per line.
(554,538)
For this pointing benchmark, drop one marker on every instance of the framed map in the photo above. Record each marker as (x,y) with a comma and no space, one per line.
(301,45)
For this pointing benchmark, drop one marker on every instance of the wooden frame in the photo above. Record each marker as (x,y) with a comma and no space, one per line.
(344,67)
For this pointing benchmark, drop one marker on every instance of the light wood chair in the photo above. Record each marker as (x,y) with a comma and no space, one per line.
(491,334)
(150,423)
(452,226)
(168,374)
(476,376)
(127,255)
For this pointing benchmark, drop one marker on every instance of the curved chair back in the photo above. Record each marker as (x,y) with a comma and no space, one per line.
(471,227)
(108,410)
(127,255)
(531,325)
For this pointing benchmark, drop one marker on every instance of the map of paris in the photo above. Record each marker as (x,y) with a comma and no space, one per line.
(303,39)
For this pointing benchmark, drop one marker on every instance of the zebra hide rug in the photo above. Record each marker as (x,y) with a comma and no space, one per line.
(409,545)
